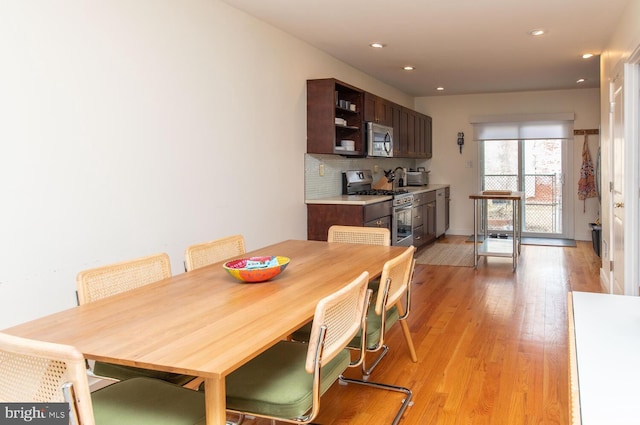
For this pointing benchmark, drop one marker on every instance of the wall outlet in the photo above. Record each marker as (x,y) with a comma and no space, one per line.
(321,170)
(468,164)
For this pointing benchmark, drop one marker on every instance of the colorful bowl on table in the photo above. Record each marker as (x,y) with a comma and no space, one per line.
(256,269)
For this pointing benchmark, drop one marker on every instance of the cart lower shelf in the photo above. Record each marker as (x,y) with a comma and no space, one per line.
(496,247)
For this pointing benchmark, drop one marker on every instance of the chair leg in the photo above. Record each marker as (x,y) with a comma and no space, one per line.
(366,372)
(407,333)
(404,404)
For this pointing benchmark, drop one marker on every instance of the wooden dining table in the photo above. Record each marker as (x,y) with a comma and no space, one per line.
(204,322)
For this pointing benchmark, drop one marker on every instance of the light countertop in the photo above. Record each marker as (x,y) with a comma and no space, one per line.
(349,200)
(370,199)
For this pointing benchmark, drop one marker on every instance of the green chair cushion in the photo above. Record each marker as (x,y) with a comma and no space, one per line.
(373,328)
(121,372)
(145,401)
(374,324)
(276,383)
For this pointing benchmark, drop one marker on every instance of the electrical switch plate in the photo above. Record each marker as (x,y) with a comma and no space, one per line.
(375,168)
(321,170)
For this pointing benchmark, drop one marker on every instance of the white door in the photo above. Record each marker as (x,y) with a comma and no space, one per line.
(617,186)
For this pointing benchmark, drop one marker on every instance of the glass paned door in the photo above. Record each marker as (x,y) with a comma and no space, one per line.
(534,167)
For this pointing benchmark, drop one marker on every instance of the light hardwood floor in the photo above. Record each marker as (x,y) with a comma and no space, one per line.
(492,345)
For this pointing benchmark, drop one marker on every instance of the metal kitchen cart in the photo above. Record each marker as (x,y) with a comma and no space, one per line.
(497,247)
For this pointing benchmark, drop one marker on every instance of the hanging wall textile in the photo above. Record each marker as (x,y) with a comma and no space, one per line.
(587,182)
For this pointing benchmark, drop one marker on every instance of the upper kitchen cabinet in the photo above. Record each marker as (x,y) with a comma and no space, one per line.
(381,111)
(337,111)
(385,112)
(334,114)
(415,134)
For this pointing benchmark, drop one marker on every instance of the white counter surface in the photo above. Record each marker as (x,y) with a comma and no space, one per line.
(427,188)
(607,332)
(349,200)
(369,199)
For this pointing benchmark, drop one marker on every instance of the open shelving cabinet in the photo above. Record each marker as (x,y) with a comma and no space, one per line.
(328,99)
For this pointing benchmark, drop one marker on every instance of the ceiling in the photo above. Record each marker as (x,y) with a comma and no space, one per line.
(464,46)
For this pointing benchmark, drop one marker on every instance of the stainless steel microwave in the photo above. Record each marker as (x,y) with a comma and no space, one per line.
(379,140)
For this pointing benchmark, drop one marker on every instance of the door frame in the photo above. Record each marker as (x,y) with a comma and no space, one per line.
(632,175)
(566,183)
(617,186)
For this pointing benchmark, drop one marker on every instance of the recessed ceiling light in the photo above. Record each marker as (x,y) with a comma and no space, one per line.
(587,55)
(440,88)
(377,45)
(409,68)
(580,80)
(537,32)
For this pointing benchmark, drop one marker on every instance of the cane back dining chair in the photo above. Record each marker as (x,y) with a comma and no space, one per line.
(392,305)
(206,253)
(42,372)
(362,235)
(101,282)
(357,234)
(389,308)
(286,381)
(395,283)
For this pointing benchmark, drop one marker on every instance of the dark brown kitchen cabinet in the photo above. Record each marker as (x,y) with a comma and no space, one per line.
(415,135)
(430,220)
(407,132)
(447,199)
(424,218)
(428,136)
(419,200)
(322,216)
(334,113)
(338,111)
(385,112)
(381,111)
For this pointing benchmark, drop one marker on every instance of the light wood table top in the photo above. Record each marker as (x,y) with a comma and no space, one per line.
(498,194)
(204,322)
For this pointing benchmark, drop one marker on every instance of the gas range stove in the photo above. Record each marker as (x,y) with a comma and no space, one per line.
(359,183)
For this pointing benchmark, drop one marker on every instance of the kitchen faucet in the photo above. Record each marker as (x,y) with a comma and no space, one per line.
(400,181)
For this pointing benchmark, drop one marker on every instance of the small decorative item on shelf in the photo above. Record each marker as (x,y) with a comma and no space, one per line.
(256,269)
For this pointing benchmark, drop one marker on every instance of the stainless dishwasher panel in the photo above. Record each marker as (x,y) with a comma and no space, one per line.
(440,212)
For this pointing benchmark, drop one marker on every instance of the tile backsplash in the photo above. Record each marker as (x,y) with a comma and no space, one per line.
(330,184)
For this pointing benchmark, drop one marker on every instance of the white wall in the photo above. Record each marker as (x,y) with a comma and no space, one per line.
(135,127)
(451,115)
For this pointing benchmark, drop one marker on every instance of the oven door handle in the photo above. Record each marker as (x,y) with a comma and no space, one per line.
(402,207)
